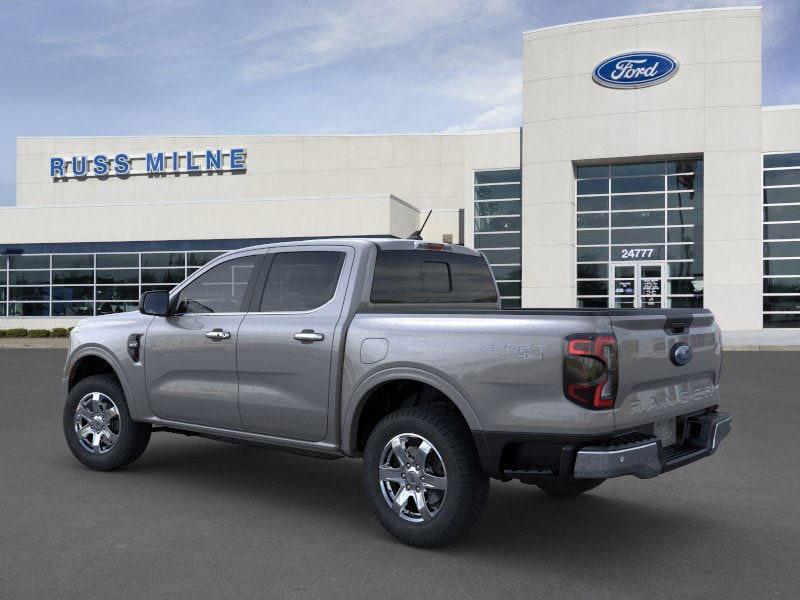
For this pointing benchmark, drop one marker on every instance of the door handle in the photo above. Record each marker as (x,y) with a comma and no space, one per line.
(309,335)
(218,335)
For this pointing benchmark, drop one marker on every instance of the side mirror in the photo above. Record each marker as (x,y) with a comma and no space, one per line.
(155,302)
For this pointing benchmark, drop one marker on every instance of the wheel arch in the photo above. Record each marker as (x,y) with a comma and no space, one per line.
(94,360)
(365,393)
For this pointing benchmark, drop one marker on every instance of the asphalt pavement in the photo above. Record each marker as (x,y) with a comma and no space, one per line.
(195,518)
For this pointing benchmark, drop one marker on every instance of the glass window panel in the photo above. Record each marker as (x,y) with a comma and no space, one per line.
(782,195)
(682,182)
(787,177)
(684,166)
(637,202)
(73,309)
(637,219)
(592,254)
(498,176)
(73,276)
(117,292)
(507,207)
(28,309)
(3,261)
(790,159)
(509,288)
(2,277)
(682,217)
(107,308)
(680,252)
(495,192)
(684,199)
(593,220)
(624,272)
(647,168)
(592,236)
(2,310)
(598,203)
(782,213)
(586,171)
(680,269)
(782,285)
(73,292)
(498,224)
(637,236)
(163,259)
(29,293)
(73,261)
(510,303)
(29,277)
(28,261)
(307,280)
(198,259)
(502,257)
(782,267)
(592,303)
(781,249)
(507,272)
(220,289)
(782,303)
(593,288)
(150,288)
(695,301)
(592,186)
(782,231)
(637,184)
(680,234)
(774,321)
(162,275)
(685,286)
(497,240)
(117,260)
(2,294)
(117,275)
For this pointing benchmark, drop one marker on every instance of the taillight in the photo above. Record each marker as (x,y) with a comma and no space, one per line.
(590,370)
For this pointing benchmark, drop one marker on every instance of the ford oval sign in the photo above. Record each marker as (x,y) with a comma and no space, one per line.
(681,354)
(635,70)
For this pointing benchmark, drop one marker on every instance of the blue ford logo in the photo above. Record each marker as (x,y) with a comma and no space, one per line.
(635,70)
(681,354)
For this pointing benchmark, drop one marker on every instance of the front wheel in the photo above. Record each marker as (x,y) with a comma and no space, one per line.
(98,426)
(422,476)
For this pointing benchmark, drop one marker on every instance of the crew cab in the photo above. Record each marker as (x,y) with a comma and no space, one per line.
(397,351)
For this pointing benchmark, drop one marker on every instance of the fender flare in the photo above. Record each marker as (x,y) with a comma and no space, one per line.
(111,359)
(355,405)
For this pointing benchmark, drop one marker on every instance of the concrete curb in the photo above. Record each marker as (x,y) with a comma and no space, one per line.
(759,348)
(59,343)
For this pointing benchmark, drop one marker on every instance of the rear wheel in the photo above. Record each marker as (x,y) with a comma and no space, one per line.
(569,488)
(422,476)
(98,425)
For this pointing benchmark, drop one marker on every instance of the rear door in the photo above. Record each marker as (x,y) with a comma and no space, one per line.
(652,386)
(286,341)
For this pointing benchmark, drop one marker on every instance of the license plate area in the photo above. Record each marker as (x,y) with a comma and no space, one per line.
(664,430)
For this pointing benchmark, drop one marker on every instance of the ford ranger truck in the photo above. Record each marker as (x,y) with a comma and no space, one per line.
(397,351)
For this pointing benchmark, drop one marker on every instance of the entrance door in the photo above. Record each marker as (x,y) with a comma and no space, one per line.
(637,285)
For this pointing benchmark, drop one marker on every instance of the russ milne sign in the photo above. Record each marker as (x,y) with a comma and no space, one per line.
(122,164)
(635,70)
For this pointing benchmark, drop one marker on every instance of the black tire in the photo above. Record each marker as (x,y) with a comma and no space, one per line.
(133,437)
(467,486)
(569,488)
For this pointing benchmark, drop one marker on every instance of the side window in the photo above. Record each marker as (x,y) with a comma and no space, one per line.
(301,280)
(220,290)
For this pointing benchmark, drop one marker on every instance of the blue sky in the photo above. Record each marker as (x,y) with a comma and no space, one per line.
(105,67)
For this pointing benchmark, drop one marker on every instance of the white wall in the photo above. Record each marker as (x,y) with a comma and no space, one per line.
(711,107)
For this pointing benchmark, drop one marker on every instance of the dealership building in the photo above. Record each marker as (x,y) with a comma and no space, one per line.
(645,172)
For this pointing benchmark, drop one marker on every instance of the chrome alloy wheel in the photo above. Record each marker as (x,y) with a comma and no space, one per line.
(412,477)
(97,423)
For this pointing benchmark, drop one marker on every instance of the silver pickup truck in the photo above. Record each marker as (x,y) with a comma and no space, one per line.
(397,351)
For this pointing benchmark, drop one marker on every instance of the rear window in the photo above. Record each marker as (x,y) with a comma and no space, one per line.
(413,276)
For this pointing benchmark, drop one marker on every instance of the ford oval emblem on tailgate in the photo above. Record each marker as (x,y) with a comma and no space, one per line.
(681,354)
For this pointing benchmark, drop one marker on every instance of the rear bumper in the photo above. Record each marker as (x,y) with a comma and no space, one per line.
(639,453)
(647,458)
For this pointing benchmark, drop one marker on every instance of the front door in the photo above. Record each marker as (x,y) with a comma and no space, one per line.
(286,342)
(637,285)
(190,356)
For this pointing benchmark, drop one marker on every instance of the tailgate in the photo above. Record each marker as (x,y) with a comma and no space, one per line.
(651,386)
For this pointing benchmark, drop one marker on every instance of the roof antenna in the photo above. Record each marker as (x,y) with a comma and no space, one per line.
(417,235)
